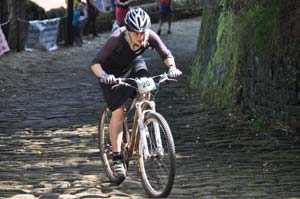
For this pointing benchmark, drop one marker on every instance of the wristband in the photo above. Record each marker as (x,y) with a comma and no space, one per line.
(103,75)
(172,66)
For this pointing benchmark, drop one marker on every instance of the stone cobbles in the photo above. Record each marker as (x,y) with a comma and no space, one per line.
(49,106)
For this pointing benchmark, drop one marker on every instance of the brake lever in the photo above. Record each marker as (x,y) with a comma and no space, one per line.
(115,86)
(171,79)
(121,83)
(166,78)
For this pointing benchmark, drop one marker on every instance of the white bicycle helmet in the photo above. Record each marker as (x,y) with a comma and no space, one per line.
(137,20)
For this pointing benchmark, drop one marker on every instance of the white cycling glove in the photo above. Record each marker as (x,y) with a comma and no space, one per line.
(174,72)
(107,78)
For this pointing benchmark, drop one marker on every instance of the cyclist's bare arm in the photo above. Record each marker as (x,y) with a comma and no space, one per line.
(97,69)
(169,61)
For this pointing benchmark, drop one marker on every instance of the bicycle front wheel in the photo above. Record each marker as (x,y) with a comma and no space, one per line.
(157,156)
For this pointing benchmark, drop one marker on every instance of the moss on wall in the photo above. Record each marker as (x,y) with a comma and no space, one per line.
(217,75)
(206,48)
(235,33)
(242,56)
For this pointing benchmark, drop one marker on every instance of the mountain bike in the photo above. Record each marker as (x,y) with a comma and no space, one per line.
(149,142)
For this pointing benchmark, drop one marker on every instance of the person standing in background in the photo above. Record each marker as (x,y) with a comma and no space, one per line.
(78,23)
(93,11)
(83,17)
(166,9)
(122,8)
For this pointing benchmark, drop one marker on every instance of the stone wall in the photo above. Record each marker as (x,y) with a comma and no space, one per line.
(248,58)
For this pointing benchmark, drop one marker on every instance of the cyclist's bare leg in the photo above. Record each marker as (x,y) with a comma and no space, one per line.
(116,129)
(116,135)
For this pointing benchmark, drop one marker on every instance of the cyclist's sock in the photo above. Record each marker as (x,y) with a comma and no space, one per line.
(117,156)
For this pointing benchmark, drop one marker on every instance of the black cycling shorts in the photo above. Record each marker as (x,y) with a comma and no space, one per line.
(116,97)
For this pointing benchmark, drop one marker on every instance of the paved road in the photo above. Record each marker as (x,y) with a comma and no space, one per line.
(48,116)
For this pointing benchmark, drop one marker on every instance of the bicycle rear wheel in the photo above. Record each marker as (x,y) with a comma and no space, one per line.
(157,168)
(105,146)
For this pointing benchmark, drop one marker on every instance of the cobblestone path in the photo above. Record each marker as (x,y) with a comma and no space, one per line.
(48,148)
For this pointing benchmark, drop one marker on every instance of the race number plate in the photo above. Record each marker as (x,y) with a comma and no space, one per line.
(145,84)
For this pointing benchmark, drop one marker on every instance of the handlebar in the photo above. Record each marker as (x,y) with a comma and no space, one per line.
(128,81)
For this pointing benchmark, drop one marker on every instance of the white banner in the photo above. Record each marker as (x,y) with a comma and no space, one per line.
(3,43)
(42,35)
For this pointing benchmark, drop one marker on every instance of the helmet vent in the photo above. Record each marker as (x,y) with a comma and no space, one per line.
(137,20)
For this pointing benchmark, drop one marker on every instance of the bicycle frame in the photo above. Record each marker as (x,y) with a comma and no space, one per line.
(140,102)
(138,124)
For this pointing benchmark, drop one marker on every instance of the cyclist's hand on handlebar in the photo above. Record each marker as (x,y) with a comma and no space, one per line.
(108,78)
(174,72)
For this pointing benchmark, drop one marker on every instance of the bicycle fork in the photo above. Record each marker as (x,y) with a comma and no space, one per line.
(144,132)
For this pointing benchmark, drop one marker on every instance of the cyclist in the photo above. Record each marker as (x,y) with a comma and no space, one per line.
(120,56)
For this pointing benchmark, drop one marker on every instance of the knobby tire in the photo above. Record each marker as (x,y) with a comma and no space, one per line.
(157,172)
